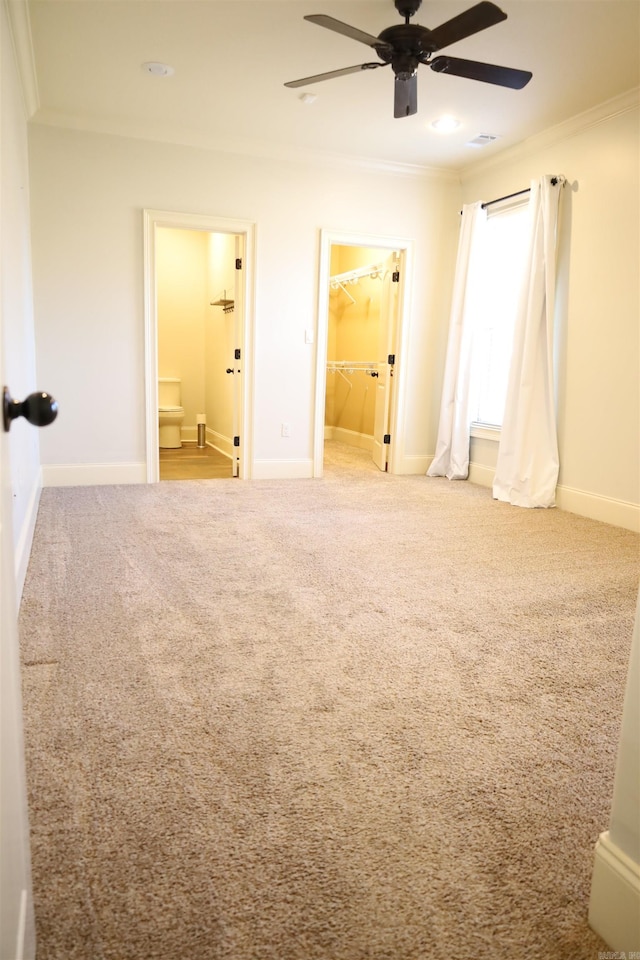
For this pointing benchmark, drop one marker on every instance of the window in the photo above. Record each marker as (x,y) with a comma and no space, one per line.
(497,271)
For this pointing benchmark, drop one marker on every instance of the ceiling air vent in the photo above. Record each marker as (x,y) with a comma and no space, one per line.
(481,140)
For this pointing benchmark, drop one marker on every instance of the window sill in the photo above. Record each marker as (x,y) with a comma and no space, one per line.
(483,431)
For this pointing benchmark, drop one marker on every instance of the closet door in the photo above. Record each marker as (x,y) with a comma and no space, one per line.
(386,349)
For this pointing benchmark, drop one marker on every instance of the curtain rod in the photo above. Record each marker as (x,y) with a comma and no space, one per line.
(509,196)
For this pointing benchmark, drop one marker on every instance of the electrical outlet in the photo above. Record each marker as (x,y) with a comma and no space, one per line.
(285,430)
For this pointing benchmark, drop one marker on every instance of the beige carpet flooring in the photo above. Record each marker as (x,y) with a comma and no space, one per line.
(358,718)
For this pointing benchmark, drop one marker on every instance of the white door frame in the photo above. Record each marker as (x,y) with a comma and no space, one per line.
(190,221)
(405,248)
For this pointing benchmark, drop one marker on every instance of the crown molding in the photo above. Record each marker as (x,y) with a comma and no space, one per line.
(20,29)
(575,125)
(283,153)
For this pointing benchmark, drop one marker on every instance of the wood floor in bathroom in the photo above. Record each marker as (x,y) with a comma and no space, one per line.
(190,462)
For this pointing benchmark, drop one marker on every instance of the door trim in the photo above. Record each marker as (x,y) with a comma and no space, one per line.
(190,221)
(405,248)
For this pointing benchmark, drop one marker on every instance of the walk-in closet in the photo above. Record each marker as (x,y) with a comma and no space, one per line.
(360,337)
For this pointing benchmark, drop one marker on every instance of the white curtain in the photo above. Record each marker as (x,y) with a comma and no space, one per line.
(452,448)
(527,467)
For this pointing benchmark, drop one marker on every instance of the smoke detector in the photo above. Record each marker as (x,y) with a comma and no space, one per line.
(157,69)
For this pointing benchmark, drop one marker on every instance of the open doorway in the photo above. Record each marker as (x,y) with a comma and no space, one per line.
(361,308)
(197,340)
(195,295)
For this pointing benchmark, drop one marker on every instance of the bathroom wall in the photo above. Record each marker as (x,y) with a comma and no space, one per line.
(220,341)
(182,266)
(353,334)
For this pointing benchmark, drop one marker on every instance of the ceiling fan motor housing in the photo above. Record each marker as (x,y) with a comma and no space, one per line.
(404,46)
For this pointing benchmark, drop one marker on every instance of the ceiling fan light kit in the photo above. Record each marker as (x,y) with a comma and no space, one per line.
(405,46)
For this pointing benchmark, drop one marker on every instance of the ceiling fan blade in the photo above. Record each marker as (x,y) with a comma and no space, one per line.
(333,73)
(487,72)
(477,18)
(405,101)
(346,30)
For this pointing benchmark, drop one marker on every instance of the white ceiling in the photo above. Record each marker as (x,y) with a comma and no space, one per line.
(232,57)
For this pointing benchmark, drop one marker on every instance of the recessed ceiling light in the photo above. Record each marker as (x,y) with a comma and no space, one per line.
(445,124)
(157,69)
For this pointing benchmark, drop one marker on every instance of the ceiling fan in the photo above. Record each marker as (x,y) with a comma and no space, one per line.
(406,45)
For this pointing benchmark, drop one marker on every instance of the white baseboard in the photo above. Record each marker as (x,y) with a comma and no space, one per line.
(414,465)
(282,470)
(481,475)
(620,513)
(25,539)
(220,443)
(614,908)
(218,440)
(362,440)
(92,474)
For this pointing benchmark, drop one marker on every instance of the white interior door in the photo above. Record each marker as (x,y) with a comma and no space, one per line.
(385,369)
(17,936)
(238,358)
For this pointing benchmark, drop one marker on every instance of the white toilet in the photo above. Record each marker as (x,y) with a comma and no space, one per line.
(170,413)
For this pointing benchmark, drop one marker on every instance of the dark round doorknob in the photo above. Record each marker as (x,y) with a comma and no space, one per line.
(229,369)
(39,409)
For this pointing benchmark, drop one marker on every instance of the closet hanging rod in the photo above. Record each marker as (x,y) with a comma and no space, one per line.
(353,364)
(372,270)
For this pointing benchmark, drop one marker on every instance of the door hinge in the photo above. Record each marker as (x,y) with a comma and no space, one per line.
(238,263)
(236,353)
(395,276)
(387,438)
(236,441)
(391,359)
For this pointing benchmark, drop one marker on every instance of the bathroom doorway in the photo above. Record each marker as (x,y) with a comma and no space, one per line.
(361,307)
(197,336)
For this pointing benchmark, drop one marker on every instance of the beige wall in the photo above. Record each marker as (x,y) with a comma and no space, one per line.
(89,191)
(598,350)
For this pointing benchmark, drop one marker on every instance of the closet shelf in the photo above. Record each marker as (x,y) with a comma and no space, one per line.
(368,367)
(227,305)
